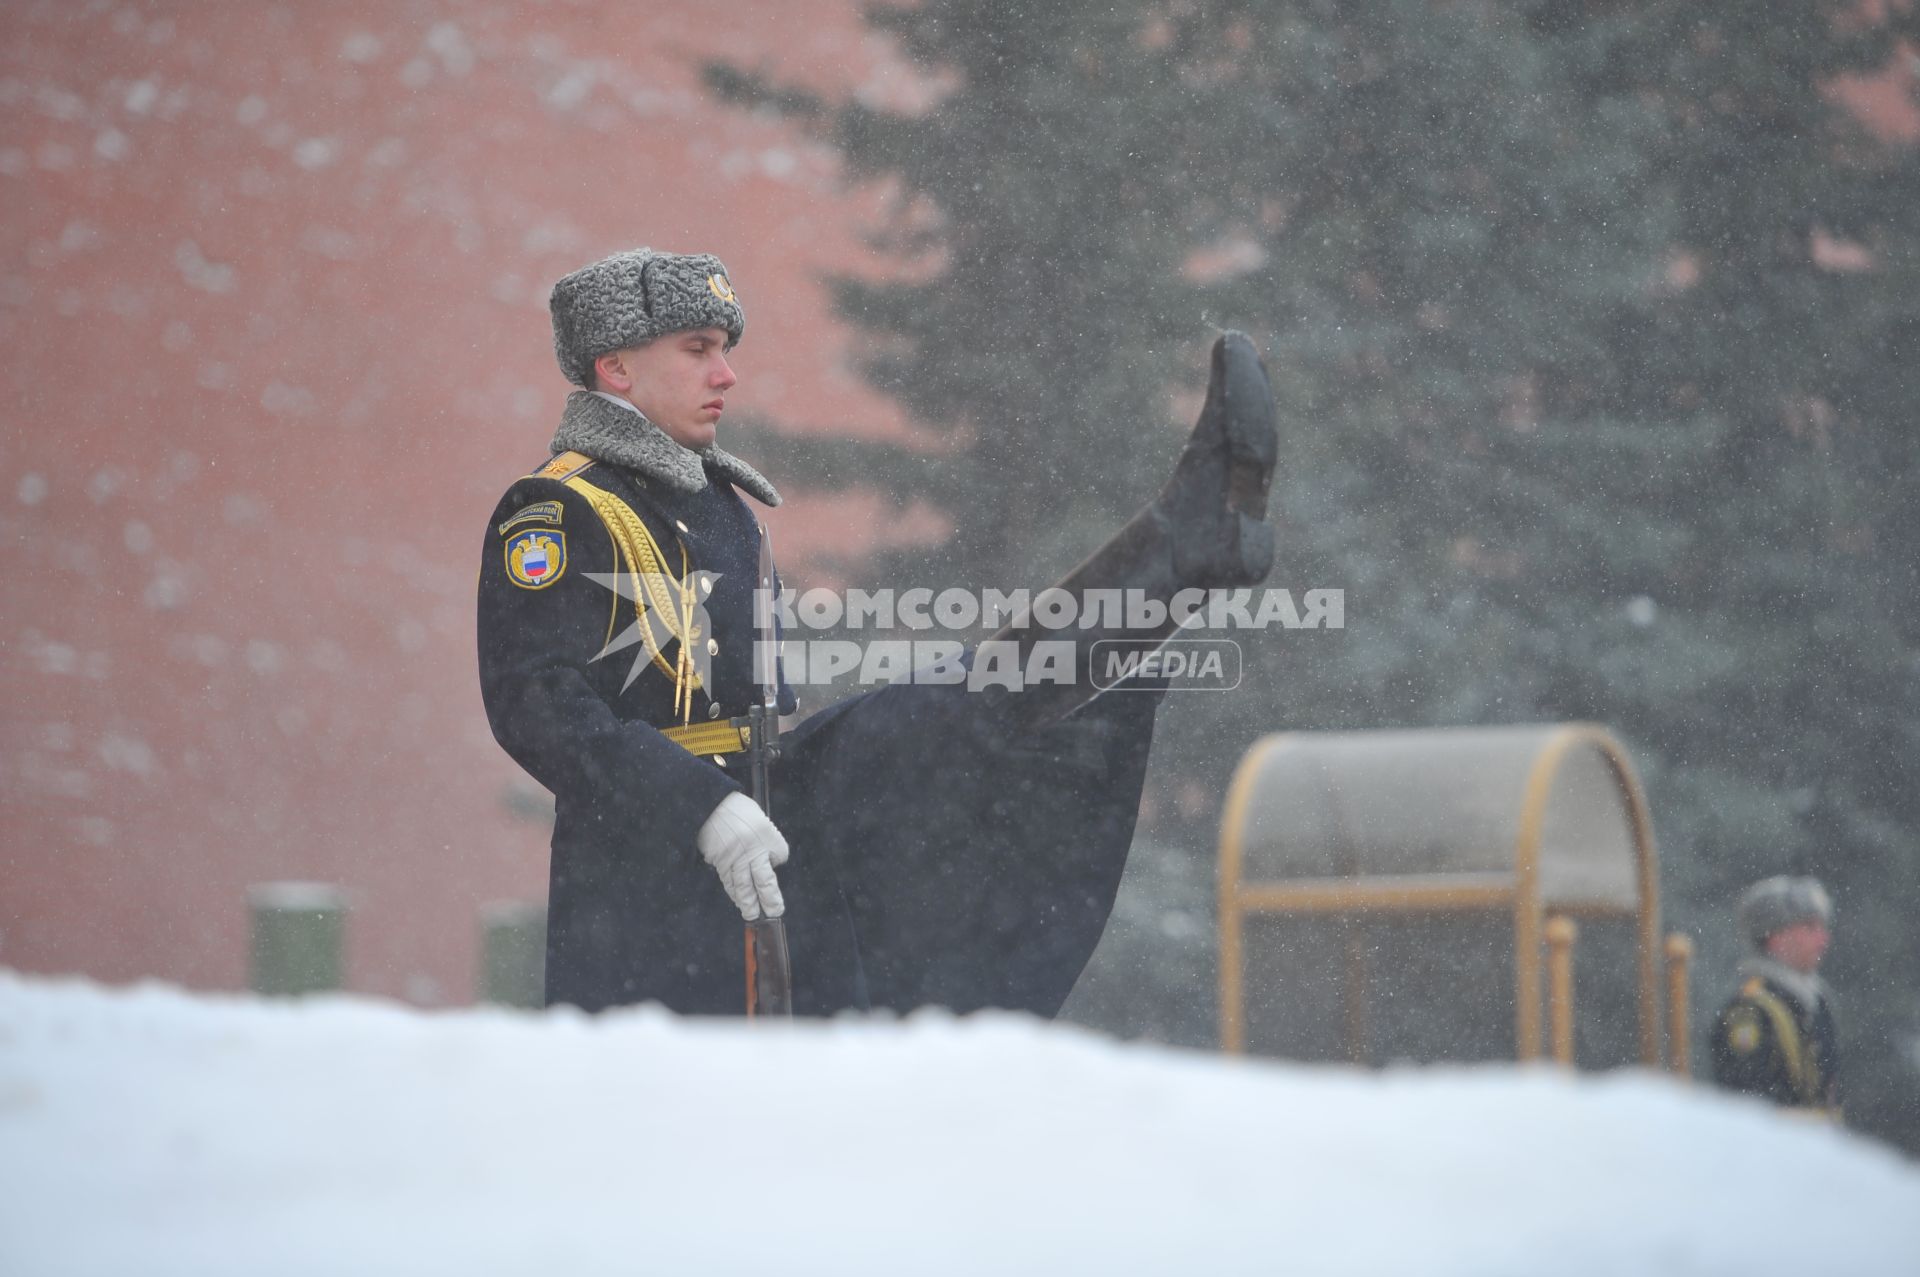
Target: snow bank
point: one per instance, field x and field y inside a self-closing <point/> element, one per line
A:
<point x="155" y="1132"/>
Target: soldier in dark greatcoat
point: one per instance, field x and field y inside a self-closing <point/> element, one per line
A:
<point x="1777" y="1037"/>
<point x="933" y="844"/>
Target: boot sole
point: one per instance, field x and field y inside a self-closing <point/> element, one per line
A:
<point x="1249" y="422"/>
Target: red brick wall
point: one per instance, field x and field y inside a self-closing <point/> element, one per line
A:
<point x="272" y="310"/>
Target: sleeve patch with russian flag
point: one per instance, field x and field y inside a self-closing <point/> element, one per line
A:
<point x="536" y="557"/>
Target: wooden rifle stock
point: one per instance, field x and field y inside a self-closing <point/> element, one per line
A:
<point x="769" y="977"/>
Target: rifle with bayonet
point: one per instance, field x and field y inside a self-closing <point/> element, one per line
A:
<point x="769" y="974"/>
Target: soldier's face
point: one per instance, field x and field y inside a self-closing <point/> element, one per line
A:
<point x="680" y="381"/>
<point x="1800" y="946"/>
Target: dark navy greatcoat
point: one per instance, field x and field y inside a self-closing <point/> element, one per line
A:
<point x="1766" y="1042"/>
<point x="937" y="857"/>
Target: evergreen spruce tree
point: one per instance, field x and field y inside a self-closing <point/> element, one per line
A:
<point x="1047" y="192"/>
<point x="1776" y="689"/>
<point x="1583" y="398"/>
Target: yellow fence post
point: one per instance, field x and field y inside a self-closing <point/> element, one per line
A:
<point x="1679" y="1010"/>
<point x="1561" y="933"/>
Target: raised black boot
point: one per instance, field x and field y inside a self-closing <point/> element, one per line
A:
<point x="1206" y="530"/>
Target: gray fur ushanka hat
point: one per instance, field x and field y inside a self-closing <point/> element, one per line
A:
<point x="633" y="297"/>
<point x="1773" y="904"/>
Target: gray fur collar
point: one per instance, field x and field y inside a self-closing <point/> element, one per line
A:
<point x="1806" y="988"/>
<point x="607" y="432"/>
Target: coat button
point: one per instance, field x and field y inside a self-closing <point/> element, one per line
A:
<point x="713" y="647"/>
<point x="713" y="710"/>
<point x="706" y="584"/>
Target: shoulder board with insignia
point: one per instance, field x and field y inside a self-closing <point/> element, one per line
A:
<point x="563" y="466"/>
<point x="538" y="512"/>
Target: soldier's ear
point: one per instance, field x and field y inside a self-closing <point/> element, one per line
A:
<point x="612" y="372"/>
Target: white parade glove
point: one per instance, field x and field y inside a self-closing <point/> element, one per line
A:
<point x="743" y="846"/>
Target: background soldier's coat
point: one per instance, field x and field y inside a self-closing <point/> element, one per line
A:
<point x="1767" y="1042"/>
